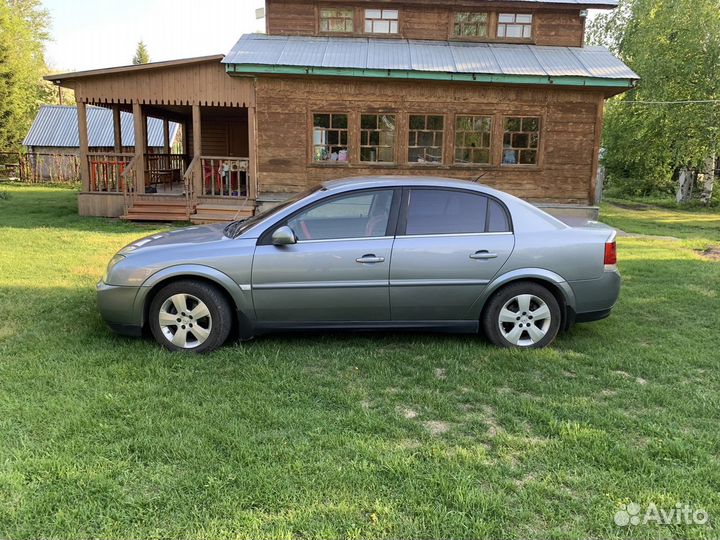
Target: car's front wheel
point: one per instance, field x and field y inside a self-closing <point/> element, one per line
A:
<point x="525" y="315"/>
<point x="190" y="316"/>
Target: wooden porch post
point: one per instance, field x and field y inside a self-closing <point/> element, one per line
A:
<point x="117" y="129"/>
<point x="253" y="185"/>
<point x="166" y="136"/>
<point x="197" y="147"/>
<point x="84" y="145"/>
<point x="140" y="132"/>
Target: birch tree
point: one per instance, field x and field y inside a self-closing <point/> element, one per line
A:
<point x="674" y="45"/>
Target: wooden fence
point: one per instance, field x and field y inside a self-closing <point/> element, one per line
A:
<point x="38" y="167"/>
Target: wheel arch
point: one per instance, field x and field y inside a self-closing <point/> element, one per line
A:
<point x="559" y="288"/>
<point x="239" y="299"/>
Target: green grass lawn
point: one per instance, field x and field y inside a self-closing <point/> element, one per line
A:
<point x="347" y="435"/>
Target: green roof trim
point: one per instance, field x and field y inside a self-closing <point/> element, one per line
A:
<point x="262" y="69"/>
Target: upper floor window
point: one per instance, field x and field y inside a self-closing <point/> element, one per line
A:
<point x="340" y="20"/>
<point x="330" y="138"/>
<point x="521" y="140"/>
<point x="514" y="25"/>
<point x="425" y="144"/>
<point x="471" y="25"/>
<point x="377" y="138"/>
<point x="382" y="21"/>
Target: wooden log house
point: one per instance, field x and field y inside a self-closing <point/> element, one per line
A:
<point x="499" y="91"/>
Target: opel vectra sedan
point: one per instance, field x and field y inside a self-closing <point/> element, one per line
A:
<point x="368" y="254"/>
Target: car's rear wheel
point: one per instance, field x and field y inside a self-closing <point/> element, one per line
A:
<point x="522" y="315"/>
<point x="190" y="316"/>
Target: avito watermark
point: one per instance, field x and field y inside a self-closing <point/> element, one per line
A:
<point x="632" y="514"/>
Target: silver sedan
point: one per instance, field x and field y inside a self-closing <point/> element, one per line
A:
<point x="368" y="254"/>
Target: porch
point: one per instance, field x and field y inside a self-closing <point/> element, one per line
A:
<point x="207" y="173"/>
<point x="204" y="175"/>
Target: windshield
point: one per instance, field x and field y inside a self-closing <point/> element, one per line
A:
<point x="236" y="228"/>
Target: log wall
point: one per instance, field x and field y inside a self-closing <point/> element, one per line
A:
<point x="554" y="27"/>
<point x="569" y="139"/>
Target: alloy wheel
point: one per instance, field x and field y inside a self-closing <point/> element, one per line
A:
<point x="525" y="320"/>
<point x="185" y="321"/>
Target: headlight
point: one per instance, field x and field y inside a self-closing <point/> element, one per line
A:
<point x="116" y="259"/>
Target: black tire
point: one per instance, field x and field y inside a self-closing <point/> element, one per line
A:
<point x="215" y="327"/>
<point x="530" y="328"/>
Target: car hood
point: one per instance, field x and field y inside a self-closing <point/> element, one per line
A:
<point x="188" y="236"/>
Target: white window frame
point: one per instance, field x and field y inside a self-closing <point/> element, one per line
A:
<point x="381" y="21"/>
<point x="515" y="22"/>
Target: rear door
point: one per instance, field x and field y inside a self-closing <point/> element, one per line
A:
<point x="450" y="244"/>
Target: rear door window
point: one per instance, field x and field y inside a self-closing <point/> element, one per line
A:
<point x="498" y="220"/>
<point x="436" y="211"/>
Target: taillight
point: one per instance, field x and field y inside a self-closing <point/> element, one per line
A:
<point x="610" y="254"/>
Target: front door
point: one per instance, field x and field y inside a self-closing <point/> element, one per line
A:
<point x="450" y="245"/>
<point x="337" y="271"/>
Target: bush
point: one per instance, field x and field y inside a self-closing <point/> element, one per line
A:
<point x="619" y="186"/>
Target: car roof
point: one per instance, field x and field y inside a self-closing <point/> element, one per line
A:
<point x="514" y="203"/>
<point x="399" y="181"/>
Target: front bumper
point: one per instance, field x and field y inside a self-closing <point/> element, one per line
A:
<point x="117" y="307"/>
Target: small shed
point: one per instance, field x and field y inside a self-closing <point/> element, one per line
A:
<point x="53" y="142"/>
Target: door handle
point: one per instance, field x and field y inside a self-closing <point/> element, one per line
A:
<point x="483" y="255"/>
<point x="370" y="259"/>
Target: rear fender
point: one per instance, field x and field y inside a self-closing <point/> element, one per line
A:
<point x="534" y="274"/>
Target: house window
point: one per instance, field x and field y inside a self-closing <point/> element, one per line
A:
<point x="377" y="138"/>
<point x="381" y="21"/>
<point x="472" y="139"/>
<point x="521" y="140"/>
<point x="337" y="20"/>
<point x="515" y="26"/>
<point x="471" y="25"/>
<point x="425" y="143"/>
<point x="330" y="138"/>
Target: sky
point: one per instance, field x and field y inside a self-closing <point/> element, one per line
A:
<point x="91" y="34"/>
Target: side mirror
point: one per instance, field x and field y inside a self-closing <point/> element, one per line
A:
<point x="284" y="236"/>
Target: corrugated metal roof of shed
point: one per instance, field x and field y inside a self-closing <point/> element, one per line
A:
<point x="56" y="126"/>
<point x="427" y="56"/>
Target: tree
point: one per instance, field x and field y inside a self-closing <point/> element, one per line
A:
<point x="23" y="34"/>
<point x="142" y="56"/>
<point x="674" y="45"/>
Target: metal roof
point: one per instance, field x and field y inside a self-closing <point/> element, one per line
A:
<point x="57" y="126"/>
<point x="258" y="53"/>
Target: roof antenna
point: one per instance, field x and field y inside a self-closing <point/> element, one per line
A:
<point x="480" y="177"/>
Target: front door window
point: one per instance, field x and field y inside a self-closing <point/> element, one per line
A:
<point x="363" y="215"/>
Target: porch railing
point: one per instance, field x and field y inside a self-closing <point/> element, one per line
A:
<point x="226" y="177"/>
<point x="107" y="172"/>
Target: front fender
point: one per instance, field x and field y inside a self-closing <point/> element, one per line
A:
<point x="242" y="298"/>
<point x="536" y="274"/>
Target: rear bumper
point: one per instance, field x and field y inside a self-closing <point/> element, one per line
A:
<point x="596" y="298"/>
<point x="117" y="308"/>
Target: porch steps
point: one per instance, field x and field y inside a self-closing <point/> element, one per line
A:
<point x="218" y="213"/>
<point x="168" y="211"/>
